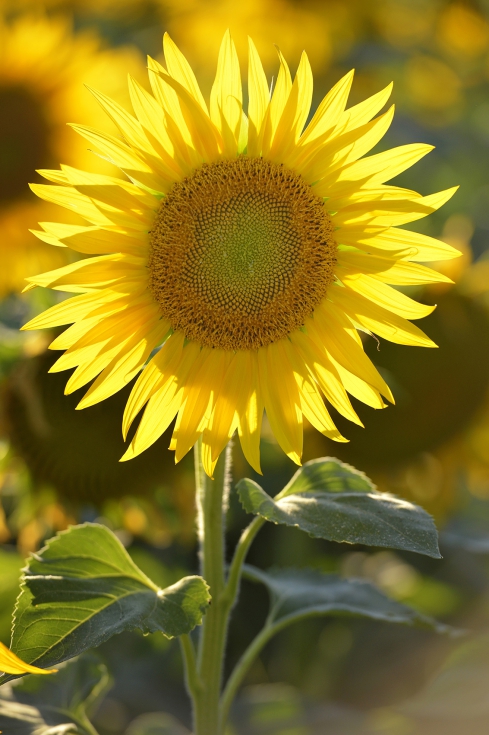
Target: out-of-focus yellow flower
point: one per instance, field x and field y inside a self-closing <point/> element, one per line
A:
<point x="457" y="232"/>
<point x="404" y="23"/>
<point x="42" y="67"/>
<point x="432" y="84"/>
<point x="100" y="7"/>
<point x="12" y="664"/>
<point x="463" y="31"/>
<point x="200" y="27"/>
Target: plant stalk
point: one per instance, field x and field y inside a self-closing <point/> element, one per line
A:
<point x="211" y="505"/>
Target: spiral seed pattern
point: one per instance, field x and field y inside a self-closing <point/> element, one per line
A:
<point x="241" y="253"/>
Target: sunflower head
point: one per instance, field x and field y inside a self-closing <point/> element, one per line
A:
<point x="240" y="257"/>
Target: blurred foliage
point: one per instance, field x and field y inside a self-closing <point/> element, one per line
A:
<point x="59" y="466"/>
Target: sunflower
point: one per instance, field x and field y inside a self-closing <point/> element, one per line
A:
<point x="42" y="64"/>
<point x="248" y="251"/>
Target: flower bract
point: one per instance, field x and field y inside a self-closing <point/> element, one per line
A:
<point x="236" y="264"/>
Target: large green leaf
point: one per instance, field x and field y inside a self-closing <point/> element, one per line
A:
<point x="54" y="705"/>
<point x="83" y="588"/>
<point x="300" y="593"/>
<point x="331" y="500"/>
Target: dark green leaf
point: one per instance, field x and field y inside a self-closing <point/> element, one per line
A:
<point x="331" y="500"/>
<point x="299" y="593"/>
<point x="53" y="705"/>
<point x="83" y="588"/>
<point x="10" y="573"/>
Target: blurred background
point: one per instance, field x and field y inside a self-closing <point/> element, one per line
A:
<point x="57" y="466"/>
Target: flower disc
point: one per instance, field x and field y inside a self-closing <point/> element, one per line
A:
<point x="241" y="253"/>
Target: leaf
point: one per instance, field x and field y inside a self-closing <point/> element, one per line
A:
<point x="10" y="572"/>
<point x="300" y="593"/>
<point x="331" y="500"/>
<point x="54" y="706"/>
<point x="83" y="588"/>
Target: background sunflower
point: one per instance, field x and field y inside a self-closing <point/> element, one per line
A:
<point x="43" y="66"/>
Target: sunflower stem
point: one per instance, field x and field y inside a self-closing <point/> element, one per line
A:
<point x="211" y="504"/>
<point x="234" y="577"/>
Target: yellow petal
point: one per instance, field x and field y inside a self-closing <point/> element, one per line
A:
<point x="346" y="149"/>
<point x="127" y="159"/>
<point x="383" y="213"/>
<point x="277" y="103"/>
<point x="152" y="118"/>
<point x="115" y="150"/>
<point x="67" y="311"/>
<point x="422" y="247"/>
<point x="357" y="387"/>
<point x="388" y="270"/>
<point x="202" y="391"/>
<point x="158" y="415"/>
<point x="312" y="404"/>
<point x="250" y="409"/>
<point x="259" y="98"/>
<point x="281" y="395"/>
<point x="330" y="110"/>
<point x="370" y="316"/>
<point x="360" y="114"/>
<point x="181" y="70"/>
<point x="70" y="198"/>
<point x="223" y="420"/>
<point x="129" y="127"/>
<point x="387" y="297"/>
<point x="56" y="177"/>
<point x="335" y="332"/>
<point x="123" y="368"/>
<point x="226" y="95"/>
<point x="12" y="664"/>
<point x="325" y="375"/>
<point x="295" y="112"/>
<point x="94" y="240"/>
<point x="91" y="273"/>
<point x="205" y="136"/>
<point x="117" y="197"/>
<point x="161" y="370"/>
<point x="177" y="127"/>
<point x="378" y="168"/>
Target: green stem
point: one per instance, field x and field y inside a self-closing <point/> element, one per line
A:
<point x="244" y="543"/>
<point x="211" y="504"/>
<point x="85" y="723"/>
<point x="192" y="679"/>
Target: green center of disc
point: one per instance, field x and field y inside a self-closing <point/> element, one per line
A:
<point x="245" y="251"/>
